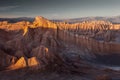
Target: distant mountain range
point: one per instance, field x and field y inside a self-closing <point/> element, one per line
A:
<point x="114" y="20"/>
<point x="14" y="20"/>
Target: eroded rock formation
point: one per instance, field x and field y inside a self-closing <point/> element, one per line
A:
<point x="42" y="44"/>
<point x="30" y="45"/>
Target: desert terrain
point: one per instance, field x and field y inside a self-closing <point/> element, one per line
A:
<point x="50" y="50"/>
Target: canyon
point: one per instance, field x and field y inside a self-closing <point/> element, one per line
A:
<point x="49" y="50"/>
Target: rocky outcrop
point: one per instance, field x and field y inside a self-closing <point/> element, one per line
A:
<point x="24" y="62"/>
<point x="42" y="22"/>
<point x="21" y="63"/>
<point x="99" y="30"/>
<point x="13" y="26"/>
<point x="33" y="62"/>
<point x="87" y="26"/>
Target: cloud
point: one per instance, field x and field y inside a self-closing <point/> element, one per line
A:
<point x="4" y="8"/>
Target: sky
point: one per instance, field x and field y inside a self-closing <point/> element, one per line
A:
<point x="59" y="9"/>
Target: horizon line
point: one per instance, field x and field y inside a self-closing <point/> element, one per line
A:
<point x="59" y="18"/>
